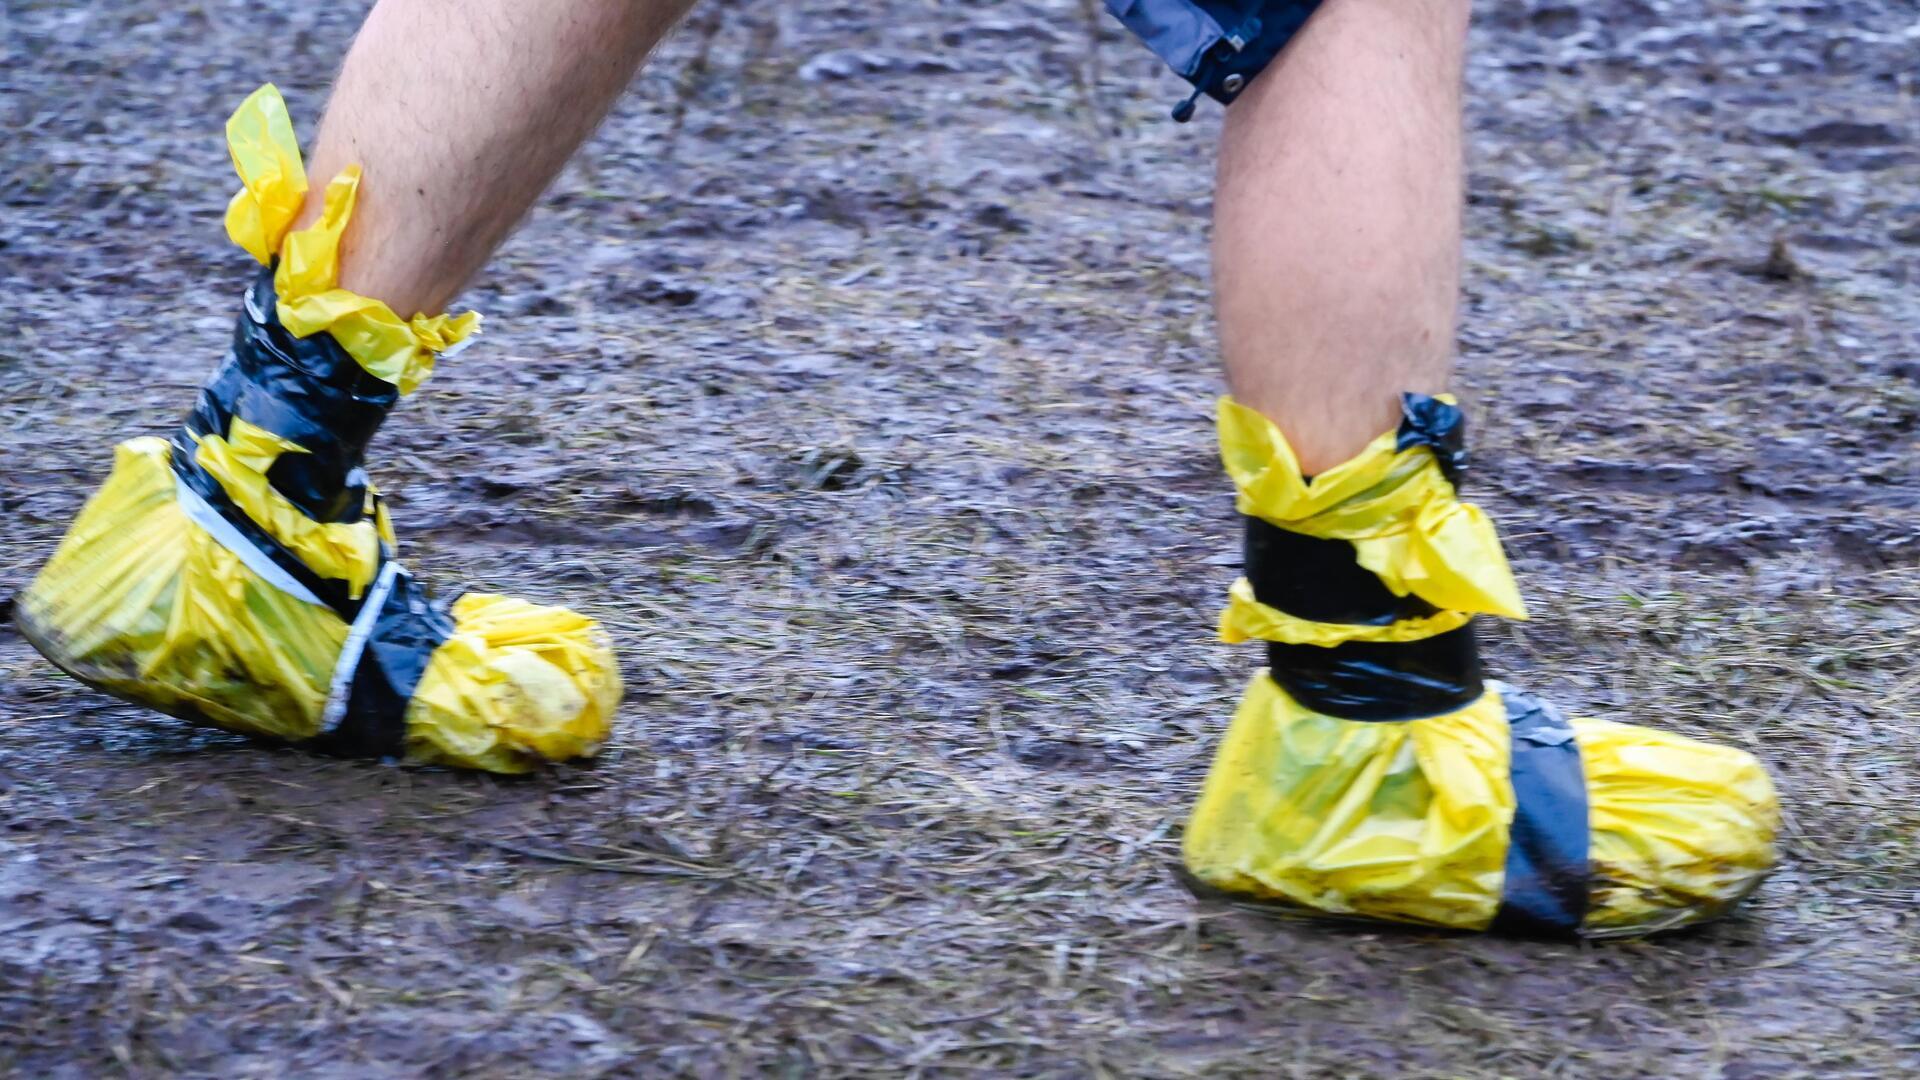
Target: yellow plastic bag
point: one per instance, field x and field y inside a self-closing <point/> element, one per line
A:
<point x="1408" y="821"/>
<point x="517" y="682"/>
<point x="344" y="552"/>
<point x="217" y="614"/>
<point x="1412" y="820"/>
<point x="266" y="154"/>
<point x="141" y="601"/>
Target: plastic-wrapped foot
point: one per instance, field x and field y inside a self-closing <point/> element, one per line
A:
<point x="1440" y="821"/>
<point x="1372" y="772"/>
<point x="145" y="603"/>
<point x="192" y="584"/>
<point x="243" y="574"/>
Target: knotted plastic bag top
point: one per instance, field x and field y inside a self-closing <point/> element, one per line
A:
<point x="260" y="219"/>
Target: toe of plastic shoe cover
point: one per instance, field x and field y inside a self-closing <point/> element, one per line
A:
<point x="141" y="601"/>
<point x="1410" y="821"/>
<point x="516" y="684"/>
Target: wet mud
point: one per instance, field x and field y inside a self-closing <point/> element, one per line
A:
<point x="859" y="377"/>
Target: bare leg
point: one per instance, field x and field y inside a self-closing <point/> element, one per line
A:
<point x="461" y="112"/>
<point x="1337" y="263"/>
<point x="287" y="616"/>
<point x="1337" y="223"/>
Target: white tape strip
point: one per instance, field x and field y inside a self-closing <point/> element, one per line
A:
<point x="201" y="513"/>
<point x="355" y="645"/>
<point x="253" y="306"/>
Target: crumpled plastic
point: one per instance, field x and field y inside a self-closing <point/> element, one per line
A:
<point x="141" y="602"/>
<point x="273" y="179"/>
<point x="274" y="187"/>
<point x="1409" y="820"/>
<point x="1401" y="514"/>
<point x="343" y="551"/>
<point x="517" y="683"/>
<point x="144" y="602"/>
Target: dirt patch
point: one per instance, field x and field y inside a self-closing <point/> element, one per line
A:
<point x="859" y="378"/>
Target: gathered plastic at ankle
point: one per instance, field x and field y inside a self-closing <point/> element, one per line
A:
<point x="1392" y="502"/>
<point x="307" y="273"/>
<point x="1333" y="791"/>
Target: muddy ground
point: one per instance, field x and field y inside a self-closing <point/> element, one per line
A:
<point x="859" y="377"/>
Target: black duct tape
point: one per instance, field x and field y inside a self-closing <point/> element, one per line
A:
<point x="306" y="390"/>
<point x="1547" y="885"/>
<point x="404" y="634"/>
<point x="1322" y="580"/>
<point x="1381" y="680"/>
<point x="309" y="391"/>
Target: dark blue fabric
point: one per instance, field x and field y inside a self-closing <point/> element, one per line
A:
<point x="1547" y="873"/>
<point x="1178" y="31"/>
<point x="1438" y="426"/>
<point x="1219" y="46"/>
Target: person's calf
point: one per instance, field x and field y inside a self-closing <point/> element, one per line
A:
<point x="1336" y="235"/>
<point x="460" y="113"/>
<point x="1370" y="769"/>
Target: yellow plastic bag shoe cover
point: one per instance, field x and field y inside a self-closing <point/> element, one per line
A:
<point x="193" y="584"/>
<point x="1412" y="821"/>
<point x="144" y="601"/>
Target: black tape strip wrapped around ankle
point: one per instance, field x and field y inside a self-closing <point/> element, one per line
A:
<point x="307" y="390"/>
<point x="404" y="635"/>
<point x="1311" y="578"/>
<point x="1376" y="680"/>
<point x="1322" y="580"/>
<point x="1547" y="885"/>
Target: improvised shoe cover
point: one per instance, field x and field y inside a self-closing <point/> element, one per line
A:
<point x="243" y="575"/>
<point x="1370" y="771"/>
